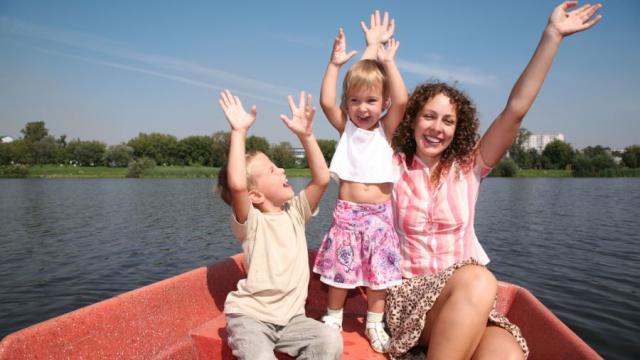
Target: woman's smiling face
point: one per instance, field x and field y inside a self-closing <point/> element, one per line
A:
<point x="434" y="128"/>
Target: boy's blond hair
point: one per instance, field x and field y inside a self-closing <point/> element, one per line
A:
<point x="223" y="181"/>
<point x="366" y="74"/>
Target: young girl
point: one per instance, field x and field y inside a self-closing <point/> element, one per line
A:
<point x="361" y="247"/>
<point x="447" y="294"/>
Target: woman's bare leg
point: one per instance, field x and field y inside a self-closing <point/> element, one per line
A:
<point x="498" y="343"/>
<point x="458" y="319"/>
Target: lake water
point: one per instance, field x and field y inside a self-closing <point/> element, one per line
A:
<point x="64" y="244"/>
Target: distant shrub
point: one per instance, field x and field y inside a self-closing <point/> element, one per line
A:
<point x="139" y="166"/>
<point x="505" y="168"/>
<point x="14" y="171"/>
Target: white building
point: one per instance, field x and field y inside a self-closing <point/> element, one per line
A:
<point x="298" y="153"/>
<point x="539" y="141"/>
<point x="7" y="139"/>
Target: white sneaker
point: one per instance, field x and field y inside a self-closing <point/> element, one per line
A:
<point x="333" y="322"/>
<point x="378" y="338"/>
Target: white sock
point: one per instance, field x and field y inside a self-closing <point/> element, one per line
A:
<point x="335" y="313"/>
<point x="374" y="317"/>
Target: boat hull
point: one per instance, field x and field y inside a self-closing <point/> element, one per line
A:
<point x="182" y="318"/>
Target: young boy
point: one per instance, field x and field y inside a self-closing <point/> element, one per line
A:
<point x="266" y="312"/>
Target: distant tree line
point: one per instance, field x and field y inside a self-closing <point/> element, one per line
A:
<point x="38" y="147"/>
<point x="590" y="161"/>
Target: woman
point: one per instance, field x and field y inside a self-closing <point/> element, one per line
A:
<point x="446" y="300"/>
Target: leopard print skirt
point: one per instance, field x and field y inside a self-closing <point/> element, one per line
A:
<point x="406" y="307"/>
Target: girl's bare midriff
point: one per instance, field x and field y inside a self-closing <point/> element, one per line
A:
<point x="364" y="193"/>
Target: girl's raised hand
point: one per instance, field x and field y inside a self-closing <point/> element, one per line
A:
<point x="339" y="53"/>
<point x="565" y="23"/>
<point x="301" y="116"/>
<point x="378" y="32"/>
<point x="388" y="53"/>
<point x="237" y="117"/>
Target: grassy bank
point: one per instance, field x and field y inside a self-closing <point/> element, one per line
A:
<point x="158" y="172"/>
<point x="543" y="173"/>
<point x="180" y="172"/>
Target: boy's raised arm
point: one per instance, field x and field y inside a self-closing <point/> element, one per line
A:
<point x="397" y="90"/>
<point x="240" y="122"/>
<point x="503" y="130"/>
<point x="301" y="124"/>
<point x="328" y="91"/>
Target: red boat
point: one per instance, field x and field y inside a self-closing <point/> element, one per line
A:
<point x="182" y="318"/>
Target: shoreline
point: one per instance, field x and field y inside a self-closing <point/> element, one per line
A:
<point x="192" y="172"/>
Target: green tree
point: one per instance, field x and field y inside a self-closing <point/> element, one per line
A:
<point x="559" y="153"/>
<point x="86" y="153"/>
<point x="196" y="150"/>
<point x="328" y="148"/>
<point x="34" y="131"/>
<point x="162" y="148"/>
<point x="118" y="155"/>
<point x="45" y="150"/>
<point x="505" y="168"/>
<point x="16" y="152"/>
<point x="257" y="143"/>
<point x="139" y="167"/>
<point x="517" y="152"/>
<point x="282" y="155"/>
<point x="631" y="156"/>
<point x="593" y="151"/>
<point x="220" y="147"/>
<point x="597" y="165"/>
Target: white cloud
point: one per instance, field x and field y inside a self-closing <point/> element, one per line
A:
<point x="160" y="64"/>
<point x="463" y="75"/>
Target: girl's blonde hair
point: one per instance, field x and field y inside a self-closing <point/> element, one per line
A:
<point x="366" y="74"/>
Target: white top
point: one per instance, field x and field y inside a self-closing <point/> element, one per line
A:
<point x="363" y="156"/>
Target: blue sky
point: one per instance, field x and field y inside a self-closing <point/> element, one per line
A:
<point x="107" y="70"/>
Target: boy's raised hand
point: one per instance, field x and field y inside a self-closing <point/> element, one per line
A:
<point x="378" y="32"/>
<point x="388" y="53"/>
<point x="339" y="53"/>
<point x="565" y="23"/>
<point x="237" y="117"/>
<point x="301" y="116"/>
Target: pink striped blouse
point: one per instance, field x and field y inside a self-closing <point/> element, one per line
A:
<point x="435" y="226"/>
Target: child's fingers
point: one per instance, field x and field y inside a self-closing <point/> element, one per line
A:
<point x="311" y="113"/>
<point x="292" y="105"/>
<point x="592" y="22"/>
<point x="385" y="19"/>
<point x="285" y="120"/>
<point x="224" y="98"/>
<point x="301" y="104"/>
<point x="254" y="111"/>
<point x="364" y="26"/>
<point x="589" y="13"/>
<point x="378" y="17"/>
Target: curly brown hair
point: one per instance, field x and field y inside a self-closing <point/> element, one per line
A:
<point x="463" y="146"/>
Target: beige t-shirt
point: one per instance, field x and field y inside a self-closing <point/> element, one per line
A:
<point x="275" y="254"/>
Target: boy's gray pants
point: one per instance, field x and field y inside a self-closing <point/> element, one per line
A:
<point x="302" y="337"/>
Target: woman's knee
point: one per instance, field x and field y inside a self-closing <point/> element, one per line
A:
<point x="476" y="284"/>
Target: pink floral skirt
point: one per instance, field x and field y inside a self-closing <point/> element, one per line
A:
<point x="361" y="248"/>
